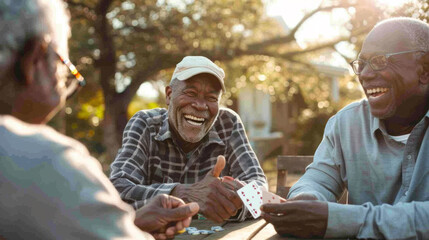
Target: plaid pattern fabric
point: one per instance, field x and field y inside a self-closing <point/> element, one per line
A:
<point x="150" y="163"/>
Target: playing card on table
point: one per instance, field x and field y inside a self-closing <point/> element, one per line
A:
<point x="269" y="197"/>
<point x="251" y="196"/>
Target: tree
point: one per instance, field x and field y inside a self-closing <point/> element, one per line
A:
<point x="121" y="44"/>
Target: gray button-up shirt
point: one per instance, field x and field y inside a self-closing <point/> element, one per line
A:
<point x="388" y="181"/>
<point x="51" y="188"/>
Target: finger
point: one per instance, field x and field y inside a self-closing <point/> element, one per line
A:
<point x="186" y="222"/>
<point x="179" y="225"/>
<point x="229" y="185"/>
<point x="213" y="214"/>
<point x="220" y="164"/>
<point x="174" y="202"/>
<point x="227" y="179"/>
<point x="274" y="207"/>
<point x="159" y="236"/>
<point x="231" y="196"/>
<point x="221" y="205"/>
<point x="182" y="212"/>
<point x="226" y="204"/>
<point x="171" y="231"/>
<point x="267" y="217"/>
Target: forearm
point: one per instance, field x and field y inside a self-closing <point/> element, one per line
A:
<point x="317" y="183"/>
<point x="138" y="194"/>
<point x="400" y="221"/>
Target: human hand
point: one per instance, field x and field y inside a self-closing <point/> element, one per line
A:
<point x="216" y="201"/>
<point x="297" y="218"/>
<point x="231" y="183"/>
<point x="165" y="215"/>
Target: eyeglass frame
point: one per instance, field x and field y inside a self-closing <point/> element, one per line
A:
<point x="77" y="76"/>
<point x="387" y="56"/>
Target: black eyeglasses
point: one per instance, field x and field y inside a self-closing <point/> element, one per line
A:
<point x="377" y="63"/>
<point x="73" y="84"/>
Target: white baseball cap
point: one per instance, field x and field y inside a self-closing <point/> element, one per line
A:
<point x="193" y="65"/>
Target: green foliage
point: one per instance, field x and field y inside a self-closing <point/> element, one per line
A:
<point x="139" y="103"/>
<point x="135" y="41"/>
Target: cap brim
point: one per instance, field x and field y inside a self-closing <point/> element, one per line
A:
<point x="188" y="73"/>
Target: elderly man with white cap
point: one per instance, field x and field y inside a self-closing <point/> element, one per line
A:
<point x="183" y="150"/>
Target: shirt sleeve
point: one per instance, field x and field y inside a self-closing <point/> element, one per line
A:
<point x="66" y="197"/>
<point x="400" y="221"/>
<point x="324" y="177"/>
<point x="130" y="170"/>
<point x="244" y="163"/>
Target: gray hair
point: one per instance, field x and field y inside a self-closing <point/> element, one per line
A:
<point x="416" y="30"/>
<point x="24" y="20"/>
<point x="174" y="82"/>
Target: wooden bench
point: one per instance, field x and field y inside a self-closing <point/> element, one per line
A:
<point x="294" y="164"/>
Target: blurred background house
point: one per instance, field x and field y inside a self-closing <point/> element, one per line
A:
<point x="270" y="124"/>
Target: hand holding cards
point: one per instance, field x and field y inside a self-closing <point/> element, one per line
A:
<point x="254" y="196"/>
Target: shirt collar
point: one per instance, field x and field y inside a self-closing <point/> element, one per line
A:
<point x="164" y="130"/>
<point x="377" y="124"/>
<point x="165" y="133"/>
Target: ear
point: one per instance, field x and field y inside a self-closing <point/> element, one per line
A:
<point x="424" y="61"/>
<point x="168" y="92"/>
<point x="32" y="53"/>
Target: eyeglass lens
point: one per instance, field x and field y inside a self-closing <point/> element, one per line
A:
<point x="377" y="63"/>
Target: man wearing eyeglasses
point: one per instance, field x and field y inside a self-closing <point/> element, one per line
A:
<point x="50" y="187"/>
<point x="377" y="149"/>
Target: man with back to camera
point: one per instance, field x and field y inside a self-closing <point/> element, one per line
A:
<point x="51" y="188"/>
<point x="377" y="148"/>
<point x="176" y="150"/>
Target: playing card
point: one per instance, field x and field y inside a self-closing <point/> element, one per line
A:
<point x="269" y="197"/>
<point x="251" y="196"/>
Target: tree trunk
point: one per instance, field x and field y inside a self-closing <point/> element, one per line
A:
<point x="115" y="120"/>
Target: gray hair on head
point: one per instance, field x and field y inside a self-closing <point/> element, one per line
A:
<point x="417" y="30"/>
<point x="174" y="82"/>
<point x="24" y="20"/>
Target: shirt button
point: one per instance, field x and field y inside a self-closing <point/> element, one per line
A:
<point x="409" y="157"/>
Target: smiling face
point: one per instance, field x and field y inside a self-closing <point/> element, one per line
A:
<point x="193" y="106"/>
<point x="390" y="90"/>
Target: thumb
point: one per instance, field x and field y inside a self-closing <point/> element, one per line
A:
<point x="182" y="212"/>
<point x="220" y="164"/>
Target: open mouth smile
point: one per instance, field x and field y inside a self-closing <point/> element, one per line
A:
<point x="193" y="120"/>
<point x="376" y="92"/>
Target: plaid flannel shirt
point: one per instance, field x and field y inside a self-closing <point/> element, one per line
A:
<point x="151" y="163"/>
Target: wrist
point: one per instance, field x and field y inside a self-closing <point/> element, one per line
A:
<point x="180" y="191"/>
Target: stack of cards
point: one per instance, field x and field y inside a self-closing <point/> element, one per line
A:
<point x="253" y="197"/>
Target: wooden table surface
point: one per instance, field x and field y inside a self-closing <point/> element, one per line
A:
<point x="250" y="229"/>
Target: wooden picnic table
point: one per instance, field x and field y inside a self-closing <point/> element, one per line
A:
<point x="233" y="230"/>
<point x="248" y="230"/>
